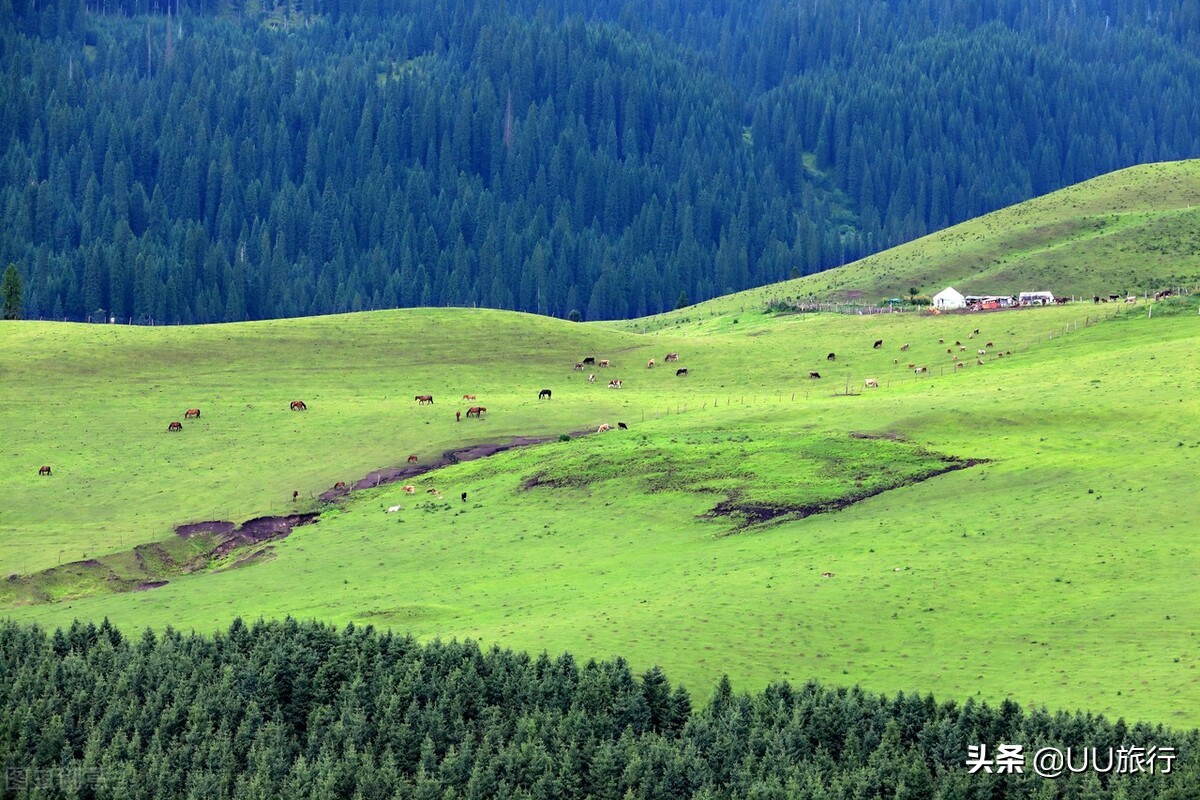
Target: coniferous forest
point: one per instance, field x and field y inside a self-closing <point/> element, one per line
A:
<point x="210" y="160"/>
<point x="303" y="710"/>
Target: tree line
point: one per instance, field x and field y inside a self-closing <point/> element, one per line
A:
<point x="307" y="710"/>
<point x="198" y="161"/>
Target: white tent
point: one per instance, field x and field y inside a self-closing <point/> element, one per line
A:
<point x="948" y="299"/>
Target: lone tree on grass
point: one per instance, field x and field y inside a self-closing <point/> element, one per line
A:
<point x="10" y="291"/>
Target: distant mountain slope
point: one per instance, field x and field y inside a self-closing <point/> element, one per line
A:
<point x="235" y="160"/>
<point x="1132" y="231"/>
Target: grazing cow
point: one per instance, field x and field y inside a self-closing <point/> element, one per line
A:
<point x="44" y="471"/>
<point x="410" y="489"/>
<point x="464" y="497"/>
<point x="339" y="485"/>
<point x="432" y="491"/>
<point x="603" y="428"/>
<point x="911" y="366"/>
<point x="1096" y="298"/>
<point x="948" y="351"/>
<point x="957" y="343"/>
<point x="298" y="405"/>
<point x="919" y="370"/>
<point x="468" y="397"/>
<point x="592" y="378"/>
<point x="423" y="399"/>
<point x="959" y="365"/>
<point x="476" y="411"/>
<point x="982" y="352"/>
<point x="175" y="426"/>
<point x="826" y="574"/>
<point x="589" y="360"/>
<point x="681" y="371"/>
<point x="814" y="375"/>
<point x="831" y="357"/>
<point x="962" y="348"/>
<point x="1114" y="297"/>
<point x="999" y="355"/>
<point x="192" y="413"/>
<point x="904" y="346"/>
<point x="412" y="459"/>
<point x="672" y="357"/>
<point x="458" y="416"/>
<point x="295" y="496"/>
<point x="614" y="384"/>
<point x="941" y="341"/>
<point x="989" y="344"/>
<point x="603" y="362"/>
<point x="393" y="509"/>
<point x="976" y="331"/>
<point x="979" y="361"/>
<point x="544" y="394"/>
<point x="895" y="361"/>
<point x="1131" y="299"/>
<point x="955" y="358"/>
<point x="650" y="364"/>
<point x="878" y="344"/>
<point x="871" y="383"/>
<point x="622" y="426"/>
<point x="579" y="366"/>
<point x="970" y="336"/>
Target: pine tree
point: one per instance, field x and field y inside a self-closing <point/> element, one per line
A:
<point x="11" y="292"/>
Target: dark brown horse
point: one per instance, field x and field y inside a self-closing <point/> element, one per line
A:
<point x="298" y="405"/>
<point x="192" y="412"/>
<point x="175" y="426"/>
<point x="44" y="471"/>
<point x="424" y="399"/>
<point x="475" y="411"/>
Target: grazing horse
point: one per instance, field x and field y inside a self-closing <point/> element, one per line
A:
<point x="192" y="412"/>
<point x="468" y="397"/>
<point x="878" y="344"/>
<point x="650" y="364"/>
<point x="44" y="471"/>
<point x="672" y="357"/>
<point x="603" y="428"/>
<point x="589" y="360"/>
<point x="412" y="459"/>
<point x="831" y="357"/>
<point x="544" y="394"/>
<point x="989" y="344"/>
<point x="622" y="426"/>
<point x="423" y="399"/>
<point x="579" y="366"/>
<point x="298" y="405"/>
<point x="871" y="383"/>
<point x="814" y="375"/>
<point x="175" y="426"/>
<point x="475" y="411"/>
<point x="603" y="362"/>
<point x="681" y="371"/>
<point x="592" y="378"/>
<point x="904" y="346"/>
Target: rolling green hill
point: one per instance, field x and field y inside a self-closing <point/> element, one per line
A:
<point x="1136" y="230"/>
<point x="1054" y="566"/>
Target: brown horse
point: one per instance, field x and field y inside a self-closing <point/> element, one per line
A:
<point x="175" y="426"/>
<point x="672" y="357"/>
<point x="412" y="459"/>
<point x="192" y="412"/>
<point x="44" y="471"/>
<point x="298" y="405"/>
<point x="423" y="399"/>
<point x="475" y="411"/>
<point x="339" y="485"/>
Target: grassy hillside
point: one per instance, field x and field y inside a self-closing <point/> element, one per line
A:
<point x="1136" y="230"/>
<point x="1059" y="570"/>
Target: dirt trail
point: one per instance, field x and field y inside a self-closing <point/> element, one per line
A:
<point x="472" y="452"/>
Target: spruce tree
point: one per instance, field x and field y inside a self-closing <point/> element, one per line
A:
<point x="11" y="292"/>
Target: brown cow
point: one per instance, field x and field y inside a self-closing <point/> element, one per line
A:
<point x="959" y="365"/>
<point x="475" y="411"/>
<point x="175" y="426"/>
<point x="423" y="399"/>
<point x="44" y="471"/>
<point x="412" y="459"/>
<point x="603" y="362"/>
<point x="672" y="357"/>
<point x="298" y="405"/>
<point x="989" y="344"/>
<point x="192" y="412"/>
<point x="410" y="489"/>
<point x="468" y="397"/>
<point x="339" y="485"/>
<point x="458" y="416"/>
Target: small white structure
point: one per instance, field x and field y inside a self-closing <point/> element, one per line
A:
<point x="948" y="299"/>
<point x="1035" y="298"/>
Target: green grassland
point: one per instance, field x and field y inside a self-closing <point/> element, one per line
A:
<point x="1020" y="527"/>
<point x="1136" y="230"/>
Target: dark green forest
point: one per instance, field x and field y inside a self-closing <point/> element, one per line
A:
<point x="213" y="160"/>
<point x="304" y="710"/>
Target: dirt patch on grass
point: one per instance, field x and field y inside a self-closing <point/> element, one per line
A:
<point x="382" y="477"/>
<point x="191" y="529"/>
<point x="145" y="585"/>
<point x="748" y="515"/>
